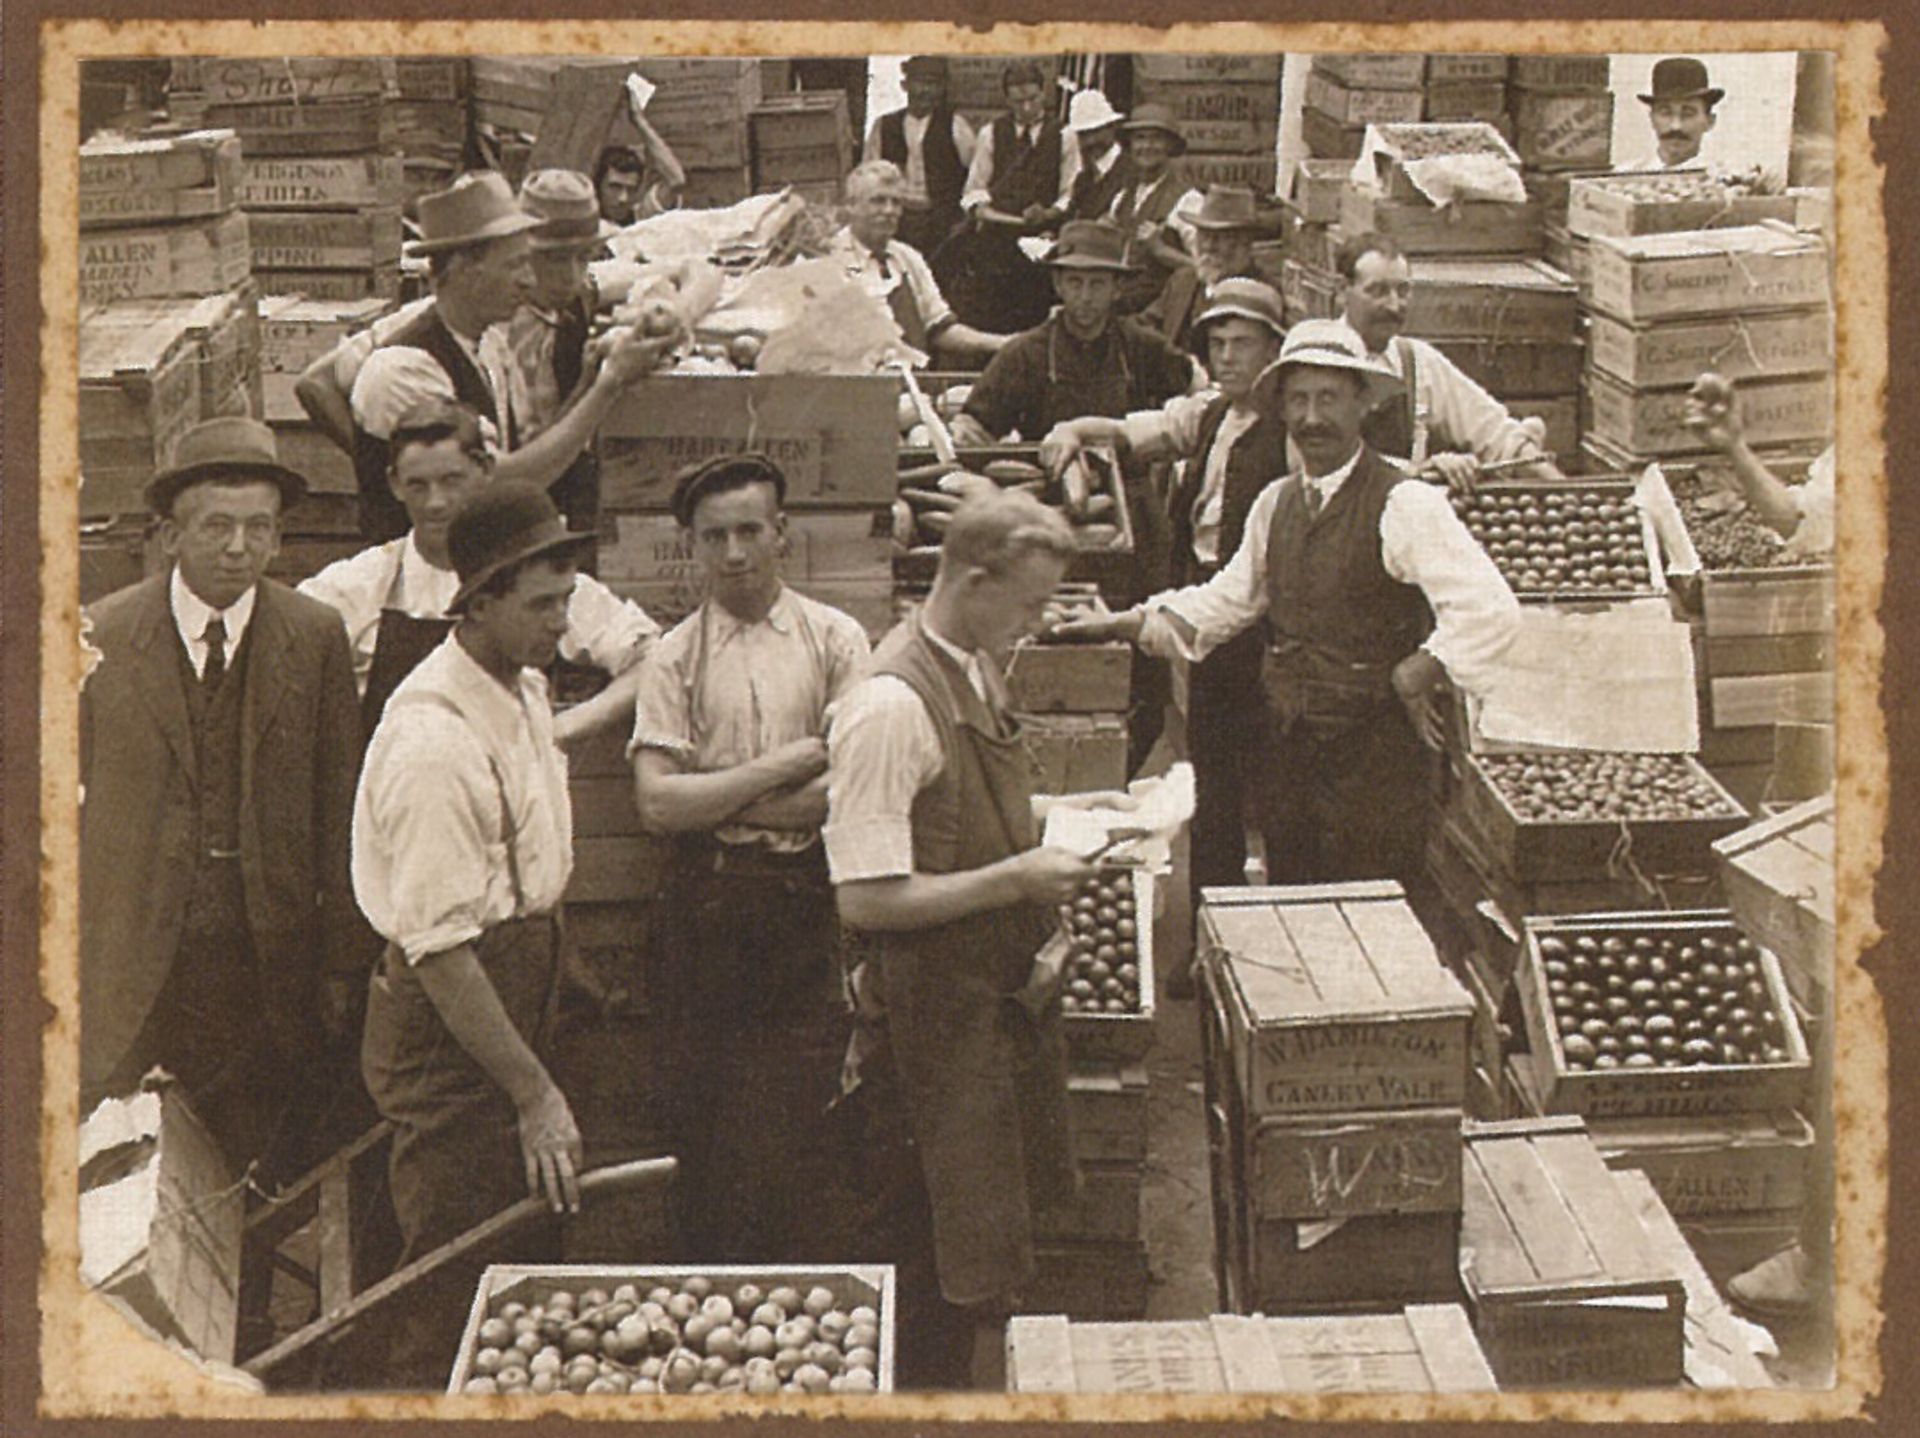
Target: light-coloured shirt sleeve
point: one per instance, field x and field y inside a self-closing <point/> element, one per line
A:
<point x="1225" y="605"/>
<point x="1475" y="615"/>
<point x="1181" y="220"/>
<point x="1463" y="417"/>
<point x="979" y="171"/>
<point x="1815" y="500"/>
<point x="1170" y="432"/>
<point x="870" y="147"/>
<point x="935" y="312"/>
<point x="882" y="750"/>
<point x="357" y="586"/>
<point x="964" y="139"/>
<point x="605" y="630"/>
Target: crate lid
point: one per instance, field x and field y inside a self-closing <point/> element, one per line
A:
<point x="132" y="340"/>
<point x="102" y="147"/>
<point x="1770" y="237"/>
<point x="1506" y="274"/>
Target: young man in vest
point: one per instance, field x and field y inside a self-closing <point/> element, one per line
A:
<point x="479" y="259"/>
<point x="1680" y="109"/>
<point x="729" y="757"/>
<point x="1234" y="447"/>
<point x="1151" y="209"/>
<point x="1224" y="229"/>
<point x="1093" y="125"/>
<point x="958" y="1067"/>
<point x="932" y="144"/>
<point x="1369" y="592"/>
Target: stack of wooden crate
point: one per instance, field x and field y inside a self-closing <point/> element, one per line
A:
<point x="1228" y="106"/>
<point x="1072" y="700"/>
<point x="1335" y="1049"/>
<point x="1346" y="93"/>
<point x="802" y="140"/>
<point x="427" y="119"/>
<point x="1561" y="113"/>
<point x="701" y="110"/>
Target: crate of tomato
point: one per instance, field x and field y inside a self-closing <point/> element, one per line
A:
<point x="1108" y="976"/>
<point x="1584" y="539"/>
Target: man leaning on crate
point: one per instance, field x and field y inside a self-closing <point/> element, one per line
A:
<point x="462" y="846"/>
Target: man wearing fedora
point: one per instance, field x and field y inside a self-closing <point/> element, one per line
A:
<point x="1151" y="207"/>
<point x="462" y="847"/>
<point x="1368" y="591"/>
<point x="218" y="743"/>
<point x="480" y="263"/>
<point x="1224" y="230"/>
<point x="933" y="145"/>
<point x="1093" y="125"/>
<point x="1680" y="109"/>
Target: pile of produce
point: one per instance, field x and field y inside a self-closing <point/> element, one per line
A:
<point x="1085" y="492"/>
<point x="1554" y="788"/>
<point x="1103" y="970"/>
<point x="697" y="1338"/>
<point x="1722" y="528"/>
<point x="1660" y="1000"/>
<point x="1559" y="540"/>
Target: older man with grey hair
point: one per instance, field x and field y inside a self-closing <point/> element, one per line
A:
<point x="895" y="272"/>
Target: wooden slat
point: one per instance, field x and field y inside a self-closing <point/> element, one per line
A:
<point x="1794" y="874"/>
<point x="1403" y="953"/>
<point x="1552" y="1249"/>
<point x="1341" y="968"/>
<point x="1452" y="1354"/>
<point x="1608" y="1228"/>
<point x="1040" y="1355"/>
<point x="1487" y="1232"/>
<point x="336" y="1243"/>
<point x="1271" y="974"/>
<point x="1773" y="699"/>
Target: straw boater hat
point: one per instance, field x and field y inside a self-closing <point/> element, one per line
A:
<point x="480" y="207"/>
<point x="1245" y="299"/>
<point x="1091" y="110"/>
<point x="231" y="448"/>
<point x="1227" y="207"/>
<point x="1681" y="77"/>
<point x="1090" y="245"/>
<point x="1332" y="344"/>
<point x="507" y="522"/>
<point x="566" y="208"/>
<point x="1155" y="116"/>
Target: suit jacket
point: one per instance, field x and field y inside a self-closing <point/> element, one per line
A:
<point x="299" y="765"/>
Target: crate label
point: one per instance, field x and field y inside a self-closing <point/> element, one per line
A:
<point x="1357" y="1066"/>
<point x="1744" y="347"/>
<point x="1388" y="1167"/>
<point x="253" y="82"/>
<point x="345" y="181"/>
<point x="1564" y="129"/>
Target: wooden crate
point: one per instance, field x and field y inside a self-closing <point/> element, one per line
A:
<point x="1563" y="129"/>
<point x="1070" y="678"/>
<point x="1780" y="879"/>
<point x="1464" y="68"/>
<point x="1309" y="293"/>
<point x="1507" y="371"/>
<point x="1106" y="1209"/>
<point x="1122" y="1038"/>
<point x="1561" y="72"/>
<point x="367" y="239"/>
<point x="1729" y="1163"/>
<point x="1771" y="699"/>
<point x="1350" y="1164"/>
<point x="1620" y="206"/>
<point x="1335" y="1000"/>
<point x="1739" y="603"/>
<point x="1707" y="272"/>
<point x="853" y="1286"/>
<point x="323" y="182"/>
<point x="139" y="392"/>
<point x="1426" y="1348"/>
<point x="1247" y="68"/>
<point x="1564" y="1287"/>
<point x="1107" y="1105"/>
<point x="1691" y="1090"/>
<point x="199" y="258"/>
<point x="1352" y="105"/>
<point x="430" y="77"/>
<point x="1472" y="227"/>
<point x="1380" y="70"/>
<point x="1316" y="190"/>
<point x="332" y="286"/>
<point x="1223" y="116"/>
<point x="138" y="182"/>
<point x="801" y="136"/>
<point x="347" y="126"/>
<point x="1379" y="1261"/>
<point x="1740" y="347"/>
<point x="295" y="332"/>
<point x="1257" y="172"/>
<point x="282" y="79"/>
<point x="1497" y="301"/>
<point x="1393" y="143"/>
<point x="1467" y="100"/>
<point x="1088" y="1280"/>
<point x="1653" y="421"/>
<point x="1327" y="139"/>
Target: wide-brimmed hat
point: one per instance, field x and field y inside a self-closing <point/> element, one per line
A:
<point x="1681" y="77"/>
<point x="1245" y="299"/>
<point x="926" y="65"/>
<point x="1090" y="245"/>
<point x="566" y="208"/>
<point x="1091" y="110"/>
<point x="1227" y="207"/>
<point x="478" y="208"/>
<point x="1155" y="116"/>
<point x="1333" y="344"/>
<point x="232" y="447"/>
<point x="504" y="524"/>
<point x="697" y="481"/>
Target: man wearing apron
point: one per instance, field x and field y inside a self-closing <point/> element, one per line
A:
<point x="729" y="755"/>
<point x="958" y="1066"/>
<point x="1437" y="419"/>
<point x="394" y="596"/>
<point x="462" y="846"/>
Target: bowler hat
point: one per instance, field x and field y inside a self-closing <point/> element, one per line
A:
<point x="1091" y="110"/>
<point x="697" y="481"/>
<point x="934" y="65"/>
<point x="478" y="208"/>
<point x="506" y="523"/>
<point x="1090" y="245"/>
<point x="1681" y="77"/>
<point x="1333" y="344"/>
<point x="566" y="208"/>
<point x="1227" y="207"/>
<point x="232" y="447"/>
<point x="1245" y="299"/>
<point x="1155" y="116"/>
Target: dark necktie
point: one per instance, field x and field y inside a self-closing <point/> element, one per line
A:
<point x="215" y="639"/>
<point x="1311" y="493"/>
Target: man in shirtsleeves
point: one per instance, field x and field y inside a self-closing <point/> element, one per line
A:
<point x="932" y="144"/>
<point x="958" y="1060"/>
<point x="1370" y="592"/>
<point x="1151" y="208"/>
<point x="729" y="755"/>
<point x="462" y="847"/>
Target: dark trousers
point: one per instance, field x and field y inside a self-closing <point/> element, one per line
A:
<point x="926" y="230"/>
<point x="1226" y="739"/>
<point x="1347" y="805"/>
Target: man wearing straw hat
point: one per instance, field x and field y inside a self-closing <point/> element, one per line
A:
<point x="1152" y="205"/>
<point x="1094" y="126"/>
<point x="218" y="744"/>
<point x="933" y="145"/>
<point x="1370" y="592"/>
<point x="475" y="239"/>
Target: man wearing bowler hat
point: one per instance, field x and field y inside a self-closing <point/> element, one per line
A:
<point x="1151" y="208"/>
<point x="933" y="144"/>
<point x="1680" y="109"/>
<point x="1224" y="229"/>
<point x="480" y="263"/>
<point x="218" y="742"/>
<point x="462" y="847"/>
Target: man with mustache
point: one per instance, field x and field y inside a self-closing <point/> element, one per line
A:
<point x="1224" y="229"/>
<point x="1680" y="109"/>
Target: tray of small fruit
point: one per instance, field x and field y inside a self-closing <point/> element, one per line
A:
<point x="592" y="1330"/>
<point x="1108" y="979"/>
<point x="1668" y="1014"/>
<point x="1582" y="539"/>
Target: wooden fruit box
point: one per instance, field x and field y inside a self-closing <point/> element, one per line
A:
<point x="1465" y="68"/>
<point x="1650" y="204"/>
<point x="1363" y="1264"/>
<point x="1754" y="700"/>
<point x="1565" y="1289"/>
<point x="1122" y="1038"/>
<point x="1495" y="301"/>
<point x="203" y="257"/>
<point x="1532" y="850"/>
<point x="1740" y="347"/>
<point x="323" y="182"/>
<point x="1317" y="185"/>
<point x="1327" y="139"/>
<point x="1258" y="172"/>
<point x="283" y="79"/>
<point x="1346" y="1165"/>
<point x="1707" y="272"/>
<point x="1070" y="678"/>
<point x="333" y="286"/>
<point x="1354" y="105"/>
<point x="1156" y="67"/>
<point x="1779" y="878"/>
<point x="852" y="1285"/>
<point x="1107" y="1104"/>
<point x="1563" y="129"/>
<point x="1075" y="753"/>
<point x="1426" y="1348"/>
<point x="1379" y="70"/>
<point x="1494" y="497"/>
<point x="1741" y="603"/>
<point x="1691" y="1090"/>
<point x="1335" y="1000"/>
<point x="1511" y="370"/>
<point x="138" y="182"/>
<point x="365" y="239"/>
<point x="1399" y="144"/>
<point x="1728" y="1163"/>
<point x="1652" y="422"/>
<point x="1456" y="100"/>
<point x="1221" y="115"/>
<point x="1472" y="227"/>
<point x="1309" y="293"/>
<point x="1561" y="72"/>
<point x="348" y="126"/>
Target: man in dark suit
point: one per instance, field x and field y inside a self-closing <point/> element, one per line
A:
<point x="218" y="746"/>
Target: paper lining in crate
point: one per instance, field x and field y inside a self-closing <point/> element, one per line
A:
<point x="1688" y="273"/>
<point x="1670" y="1085"/>
<point x="851" y="1286"/>
<point x="138" y="182"/>
<point x="1425" y="1348"/>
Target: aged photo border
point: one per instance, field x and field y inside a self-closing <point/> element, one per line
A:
<point x="76" y="1364"/>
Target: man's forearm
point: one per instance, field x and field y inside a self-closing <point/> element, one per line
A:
<point x="965" y="342"/>
<point x="612" y="705"/>
<point x="324" y="403"/>
<point x="545" y="459"/>
<point x="800" y="808"/>
<point x="925" y="901"/>
<point x="687" y="803"/>
<point x="1771" y="499"/>
<point x="464" y="997"/>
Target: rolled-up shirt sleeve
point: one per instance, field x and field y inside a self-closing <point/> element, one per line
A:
<point x="1475" y="614"/>
<point x="1466" y="417"/>
<point x="882" y="749"/>
<point x="604" y="629"/>
<point x="1193" y="622"/>
<point x="979" y="171"/>
<point x="1172" y="431"/>
<point x="393" y="381"/>
<point x="663" y="708"/>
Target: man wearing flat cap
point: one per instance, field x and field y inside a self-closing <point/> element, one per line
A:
<point x="932" y="143"/>
<point x="462" y="847"/>
<point x="480" y="262"/>
<point x="1680" y="105"/>
<point x="218" y="743"/>
<point x="729" y="757"/>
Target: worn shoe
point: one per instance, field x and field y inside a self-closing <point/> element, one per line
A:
<point x="1784" y="1286"/>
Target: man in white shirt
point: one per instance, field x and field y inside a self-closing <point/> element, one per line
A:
<point x="462" y="847"/>
<point x="1372" y="593"/>
<point x="1680" y="109"/>
<point x="933" y="145"/>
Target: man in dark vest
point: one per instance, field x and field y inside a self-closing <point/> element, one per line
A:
<point x="1224" y="229"/>
<point x="958" y="1068"/>
<point x="933" y="145"/>
<point x="1372" y="593"/>
<point x="479" y="259"/>
<point x="1094" y="126"/>
<point x="1234" y="447"/>
<point x="1151" y="209"/>
<point x="218" y="746"/>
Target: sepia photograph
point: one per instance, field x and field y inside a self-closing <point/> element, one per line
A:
<point x="780" y="729"/>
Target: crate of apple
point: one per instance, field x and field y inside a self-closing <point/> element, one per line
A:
<point x="593" y="1331"/>
<point x="1582" y="541"/>
<point x="1108" y="980"/>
